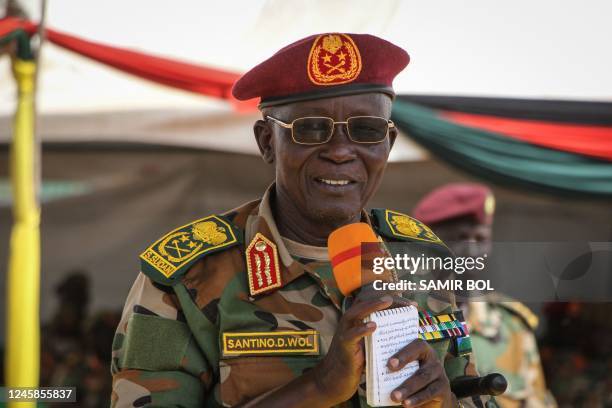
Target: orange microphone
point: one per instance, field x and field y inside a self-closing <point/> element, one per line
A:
<point x="344" y="246"/>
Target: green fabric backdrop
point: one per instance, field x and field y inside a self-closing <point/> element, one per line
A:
<point x="502" y="159"/>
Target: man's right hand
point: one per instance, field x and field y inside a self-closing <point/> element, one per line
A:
<point x="338" y="375"/>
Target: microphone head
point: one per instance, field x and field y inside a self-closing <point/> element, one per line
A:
<point x="344" y="248"/>
<point x="495" y="383"/>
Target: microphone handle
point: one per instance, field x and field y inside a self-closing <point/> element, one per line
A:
<point x="467" y="386"/>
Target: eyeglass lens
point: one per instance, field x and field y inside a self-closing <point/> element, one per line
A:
<point x="362" y="129"/>
<point x="367" y="129"/>
<point x="313" y="130"/>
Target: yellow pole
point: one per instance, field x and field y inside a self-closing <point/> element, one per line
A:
<point x="23" y="283"/>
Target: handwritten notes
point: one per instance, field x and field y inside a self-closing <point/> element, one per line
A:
<point x="395" y="329"/>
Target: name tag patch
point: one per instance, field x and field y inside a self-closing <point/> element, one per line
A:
<point x="262" y="343"/>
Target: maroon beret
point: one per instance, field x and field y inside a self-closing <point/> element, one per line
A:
<point x="456" y="200"/>
<point x="324" y="65"/>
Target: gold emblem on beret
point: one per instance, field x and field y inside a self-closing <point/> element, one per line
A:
<point x="334" y="59"/>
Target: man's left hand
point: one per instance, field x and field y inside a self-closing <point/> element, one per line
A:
<point x="428" y="384"/>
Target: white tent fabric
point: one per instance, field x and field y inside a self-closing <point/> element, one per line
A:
<point x="545" y="49"/>
<point x="217" y="129"/>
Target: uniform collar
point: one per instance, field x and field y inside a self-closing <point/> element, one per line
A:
<point x="261" y="220"/>
<point x="306" y="251"/>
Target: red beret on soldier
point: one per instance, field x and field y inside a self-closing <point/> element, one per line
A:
<point x="456" y="200"/>
<point x="324" y="65"/>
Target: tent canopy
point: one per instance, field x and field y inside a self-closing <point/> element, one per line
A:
<point x="520" y="49"/>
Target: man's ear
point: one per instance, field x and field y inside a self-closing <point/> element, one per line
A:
<point x="265" y="140"/>
<point x="392" y="136"/>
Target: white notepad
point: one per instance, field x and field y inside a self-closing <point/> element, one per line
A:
<point x="395" y="328"/>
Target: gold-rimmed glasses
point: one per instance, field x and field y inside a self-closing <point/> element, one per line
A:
<point x="314" y="130"/>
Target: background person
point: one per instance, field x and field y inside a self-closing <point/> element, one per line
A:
<point x="502" y="332"/>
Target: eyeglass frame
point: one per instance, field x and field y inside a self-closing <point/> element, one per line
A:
<point x="285" y="125"/>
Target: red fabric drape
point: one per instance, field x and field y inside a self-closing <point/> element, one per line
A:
<point x="595" y="141"/>
<point x="190" y="77"/>
<point x="8" y="25"/>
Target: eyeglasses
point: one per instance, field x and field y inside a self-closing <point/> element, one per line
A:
<point x="314" y="130"/>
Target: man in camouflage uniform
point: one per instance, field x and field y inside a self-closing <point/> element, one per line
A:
<point x="501" y="329"/>
<point x="242" y="308"/>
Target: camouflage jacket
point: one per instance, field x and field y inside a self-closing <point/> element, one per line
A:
<point x="504" y="342"/>
<point x="199" y="329"/>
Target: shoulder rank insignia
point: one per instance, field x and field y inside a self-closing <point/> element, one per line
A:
<point x="523" y="312"/>
<point x="401" y="226"/>
<point x="263" y="268"/>
<point x="172" y="255"/>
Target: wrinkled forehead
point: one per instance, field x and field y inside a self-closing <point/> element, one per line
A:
<point x="338" y="108"/>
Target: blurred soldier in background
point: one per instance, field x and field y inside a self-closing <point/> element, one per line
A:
<point x="577" y="353"/>
<point x="62" y="339"/>
<point x="76" y="348"/>
<point x="502" y="331"/>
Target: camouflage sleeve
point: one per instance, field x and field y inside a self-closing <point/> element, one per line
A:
<point x="156" y="361"/>
<point x="457" y="366"/>
<point x="505" y="343"/>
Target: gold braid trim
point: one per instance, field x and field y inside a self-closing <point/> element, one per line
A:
<point x="267" y="268"/>
<point x="258" y="270"/>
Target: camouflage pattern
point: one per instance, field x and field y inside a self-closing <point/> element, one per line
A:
<point x="168" y="346"/>
<point x="577" y="353"/>
<point x="504" y="342"/>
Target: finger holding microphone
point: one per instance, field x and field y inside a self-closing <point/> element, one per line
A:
<point x="338" y="375"/>
<point x="349" y="248"/>
<point x="352" y="249"/>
